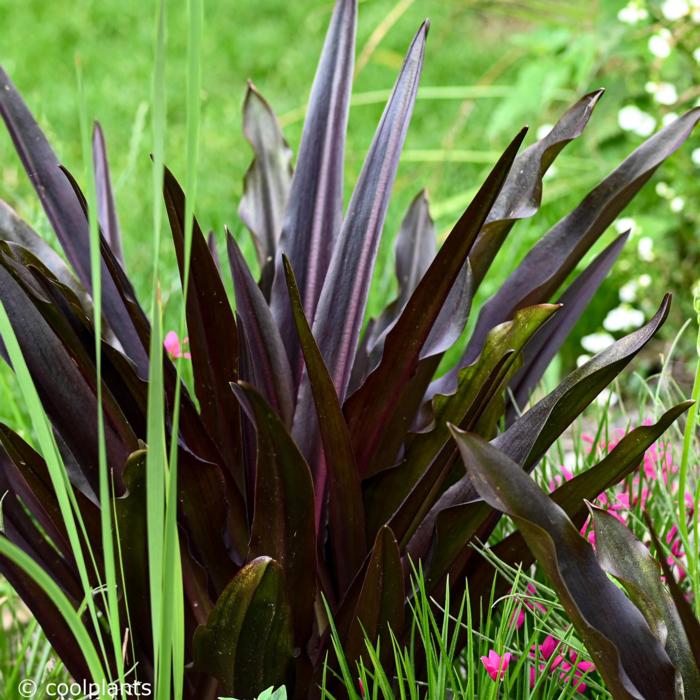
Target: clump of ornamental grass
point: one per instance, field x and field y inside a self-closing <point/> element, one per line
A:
<point x="197" y="537"/>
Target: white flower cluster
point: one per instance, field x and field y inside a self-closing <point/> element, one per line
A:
<point x="633" y="13"/>
<point x="663" y="93"/>
<point x="631" y="118"/>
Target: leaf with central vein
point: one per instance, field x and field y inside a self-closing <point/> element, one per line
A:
<point x="106" y="208"/>
<point x="478" y="383"/>
<point x="369" y="408"/>
<point x="287" y="534"/>
<point x="623" y="556"/>
<point x="526" y="441"/>
<point x="627" y="655"/>
<point x="455" y="526"/>
<point x="65" y="212"/>
<point x="345" y="507"/>
<point x="267" y="182"/>
<point x="547" y="342"/>
<point x="555" y="256"/>
<point x="271" y="363"/>
<point x="521" y="195"/>
<point x="212" y="331"/>
<point x="247" y="641"/>
<point x="315" y="211"/>
<point x="342" y="304"/>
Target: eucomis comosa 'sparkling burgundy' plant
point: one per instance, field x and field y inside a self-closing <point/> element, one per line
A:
<point x="316" y="461"/>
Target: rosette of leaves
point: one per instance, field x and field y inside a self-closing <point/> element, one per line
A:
<point x="314" y="459"/>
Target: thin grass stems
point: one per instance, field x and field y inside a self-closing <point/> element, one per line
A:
<point x="54" y="592"/>
<point x="156" y="465"/>
<point x="688" y="437"/>
<point x="105" y="482"/>
<point x="173" y="623"/>
<point x="68" y="507"/>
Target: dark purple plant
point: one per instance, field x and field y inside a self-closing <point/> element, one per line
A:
<point x="317" y="459"/>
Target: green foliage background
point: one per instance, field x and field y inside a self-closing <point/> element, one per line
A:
<point x="507" y="63"/>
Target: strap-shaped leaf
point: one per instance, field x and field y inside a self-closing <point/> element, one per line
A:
<point x="52" y="349"/>
<point x="345" y="507"/>
<point x="370" y="408"/>
<point x="630" y="659"/>
<point x="273" y="377"/>
<point x="529" y="437"/>
<point x="455" y="526"/>
<point x="545" y="345"/>
<point x="380" y="604"/>
<point x="521" y="195"/>
<point x="267" y="181"/>
<point x="212" y="331"/>
<point x="533" y="433"/>
<point x="555" y="256"/>
<point x="65" y="213"/>
<point x="623" y="556"/>
<point x="106" y="208"/>
<point x="283" y="513"/>
<point x="314" y="214"/>
<point x="414" y="249"/>
<point x="342" y="304"/>
<point x="247" y="641"/>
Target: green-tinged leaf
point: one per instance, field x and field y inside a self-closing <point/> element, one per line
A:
<point x="533" y="433"/>
<point x="345" y="507"/>
<point x="540" y="352"/>
<point x="380" y="604"/>
<point x="267" y="181"/>
<point x="271" y="374"/>
<point x="630" y="659"/>
<point x="623" y="556"/>
<point x="247" y="641"/>
<point x="283" y="516"/>
<point x="369" y="409"/>
<point x="429" y="454"/>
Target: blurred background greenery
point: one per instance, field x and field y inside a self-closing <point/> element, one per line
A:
<point x="491" y="66"/>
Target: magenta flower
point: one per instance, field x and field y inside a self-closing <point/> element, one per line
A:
<point x="495" y="664"/>
<point x="172" y="346"/>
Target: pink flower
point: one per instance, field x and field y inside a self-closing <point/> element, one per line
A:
<point x="495" y="664"/>
<point x="173" y="347"/>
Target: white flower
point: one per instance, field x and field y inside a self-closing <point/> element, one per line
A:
<point x="663" y="190"/>
<point x="644" y="280"/>
<point x="666" y="94"/>
<point x="645" y="249"/>
<point x="695" y="16"/>
<point x="606" y="398"/>
<point x="669" y="118"/>
<point x="674" y="9"/>
<point x="623" y="318"/>
<point x="677" y="204"/>
<point x="660" y="43"/>
<point x="628" y="292"/>
<point x="632" y="13"/>
<point x="544" y="130"/>
<point x="696" y="54"/>
<point x="627" y="223"/>
<point x="695" y="156"/>
<point x="596" y="342"/>
<point x="631" y="118"/>
<point x="582" y="359"/>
